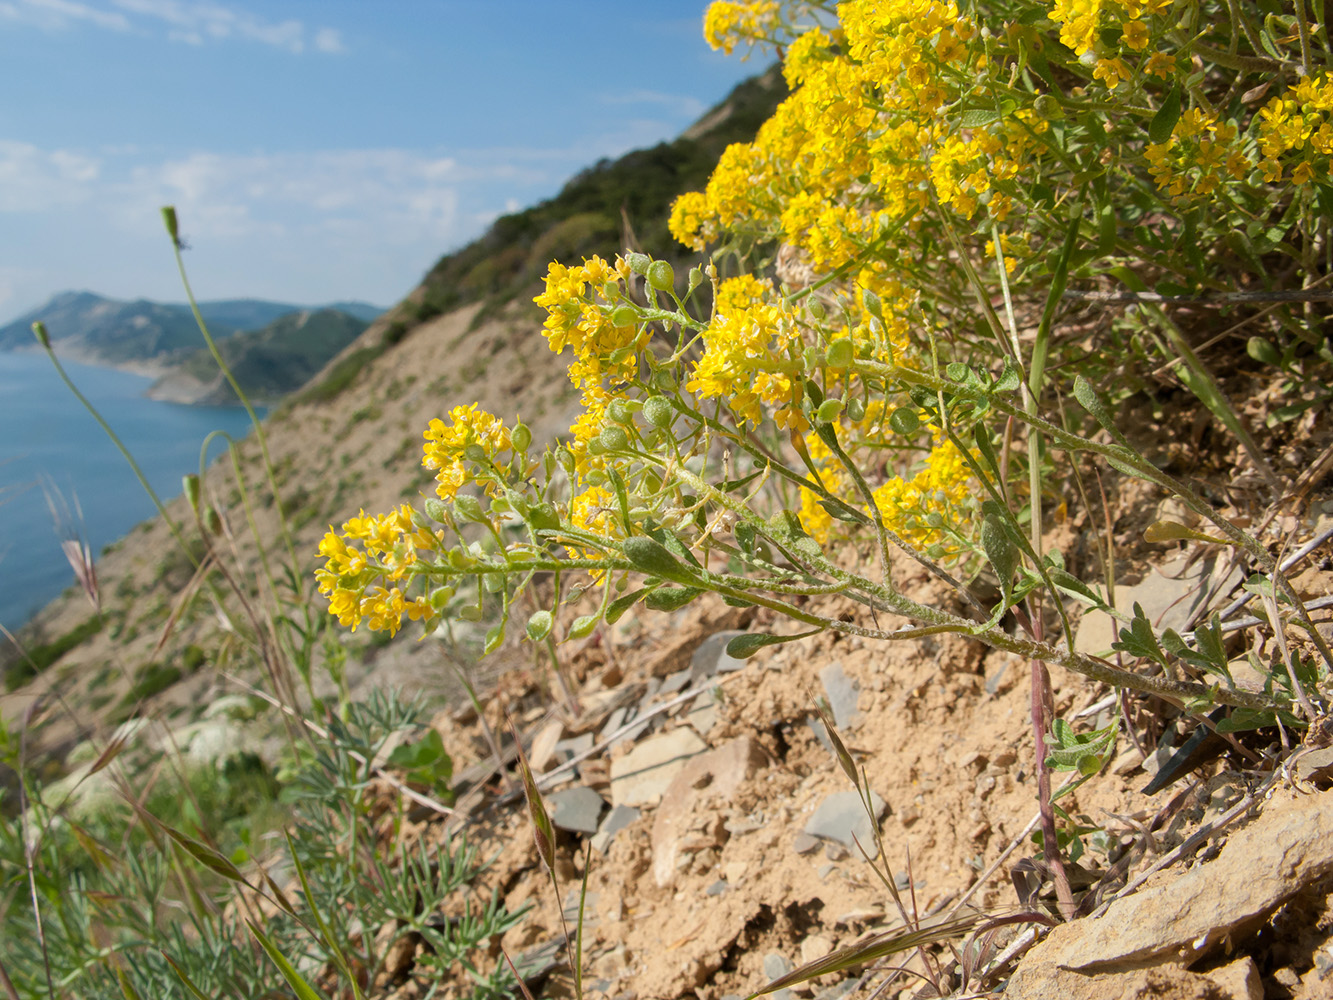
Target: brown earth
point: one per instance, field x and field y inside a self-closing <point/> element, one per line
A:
<point x="943" y="733"/>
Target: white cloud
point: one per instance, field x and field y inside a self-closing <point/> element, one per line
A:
<point x="329" y="40"/>
<point x="57" y="14"/>
<point x="190" y="22"/>
<point x="34" y="180"/>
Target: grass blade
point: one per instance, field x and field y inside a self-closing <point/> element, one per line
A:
<point x="870" y="950"/>
<point x="302" y="989"/>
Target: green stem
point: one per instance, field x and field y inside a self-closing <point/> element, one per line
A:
<point x="260" y="436"/>
<point x="40" y="330"/>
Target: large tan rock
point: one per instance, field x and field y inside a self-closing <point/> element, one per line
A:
<point x="1148" y="941"/>
<point x="716" y="774"/>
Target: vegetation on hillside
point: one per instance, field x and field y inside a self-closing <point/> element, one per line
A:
<point x="278" y="358"/>
<point x="974" y="246"/>
<point x="600" y="209"/>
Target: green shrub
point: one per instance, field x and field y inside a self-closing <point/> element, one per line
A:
<point x="39" y="658"/>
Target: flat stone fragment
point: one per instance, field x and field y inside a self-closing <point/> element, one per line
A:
<point x="613" y="722"/>
<point x="1170" y="597"/>
<point x="641" y="776"/>
<point x="803" y="843"/>
<point x="567" y="749"/>
<point x="576" y="809"/>
<point x="716" y="774"/>
<point x="711" y="656"/>
<point x="616" y="820"/>
<point x="675" y="682"/>
<point x="816" y="725"/>
<point x="703" y="716"/>
<point x="544" y="745"/>
<point x="776" y="966"/>
<point x="842" y="694"/>
<point x="838" y="991"/>
<point x="1212" y="907"/>
<point x="842" y="818"/>
<point x="717" y="888"/>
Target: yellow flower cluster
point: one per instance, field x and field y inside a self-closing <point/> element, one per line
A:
<point x="752" y="332"/>
<point x="580" y="302"/>
<point x="1085" y="26"/>
<point x="447" y="444"/>
<point x="1300" y="122"/>
<point x="366" y="565"/>
<point x="1200" y="155"/>
<point x="920" y="508"/>
<point x="859" y="151"/>
<point x="728" y="23"/>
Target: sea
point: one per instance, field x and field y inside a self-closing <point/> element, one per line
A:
<point x="54" y="453"/>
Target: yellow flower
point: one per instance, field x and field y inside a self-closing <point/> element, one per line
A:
<point x="1136" y="35"/>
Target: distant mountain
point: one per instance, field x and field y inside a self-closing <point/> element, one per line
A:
<point x="268" y="363"/>
<point x="144" y="335"/>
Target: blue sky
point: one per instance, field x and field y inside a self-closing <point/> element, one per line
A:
<point x="316" y="150"/>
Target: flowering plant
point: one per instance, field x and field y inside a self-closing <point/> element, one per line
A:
<point x="862" y="371"/>
<point x="931" y="157"/>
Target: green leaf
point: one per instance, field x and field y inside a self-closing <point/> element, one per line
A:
<point x="1174" y="531"/>
<point x="1000" y="550"/>
<point x="1106" y="228"/>
<point x="1244" y="719"/>
<point x="622" y="604"/>
<point x="1263" y="351"/>
<point x="495" y="637"/>
<point x="904" y="421"/>
<point x="744" y="646"/>
<point x="652" y="558"/>
<point x="189" y="984"/>
<point x="1068" y="582"/>
<point x="204" y="854"/>
<point x="1088" y="399"/>
<point x="982" y="436"/>
<point x="622" y="498"/>
<point x="1008" y="379"/>
<point x="1164" y="122"/>
<point x="302" y="989"/>
<point x="978" y="117"/>
<point x="670" y="598"/>
<point x="1139" y="639"/>
<point x="841" y="512"/>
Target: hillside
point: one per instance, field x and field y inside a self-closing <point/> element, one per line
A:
<point x="143" y="335"/>
<point x="874" y="801"/>
<point x="268" y="363"/>
<point x="351" y="438"/>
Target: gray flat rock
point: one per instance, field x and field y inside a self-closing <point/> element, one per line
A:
<point x="776" y="965"/>
<point x="1171" y="596"/>
<point x="616" y="820"/>
<point x="717" y="888"/>
<point x="613" y="722"/>
<point x="674" y="682"/>
<point x="711" y="656"/>
<point x="576" y="809"/>
<point x="703" y="716"/>
<point x="842" y="818"/>
<point x="566" y="749"/>
<point x="842" y="694"/>
<point x="803" y="843"/>
<point x="641" y="776"/>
